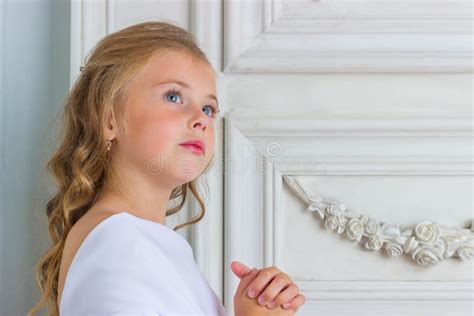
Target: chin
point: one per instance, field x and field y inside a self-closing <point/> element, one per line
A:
<point x="183" y="178"/>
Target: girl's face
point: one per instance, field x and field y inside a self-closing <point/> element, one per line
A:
<point x="171" y="101"/>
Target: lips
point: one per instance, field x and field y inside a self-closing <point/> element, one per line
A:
<point x="195" y="145"/>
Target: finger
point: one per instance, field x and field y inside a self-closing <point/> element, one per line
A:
<point x="295" y="303"/>
<point x="239" y="269"/>
<point x="264" y="277"/>
<point x="245" y="281"/>
<point x="285" y="296"/>
<point x="271" y="291"/>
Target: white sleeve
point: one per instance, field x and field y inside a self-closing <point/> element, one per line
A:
<point x="111" y="276"/>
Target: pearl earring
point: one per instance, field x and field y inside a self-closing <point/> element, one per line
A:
<point x="109" y="144"/>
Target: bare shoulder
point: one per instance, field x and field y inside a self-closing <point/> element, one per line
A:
<point x="74" y="239"/>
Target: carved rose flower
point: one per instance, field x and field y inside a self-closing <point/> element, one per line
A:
<point x="355" y="229"/>
<point x="374" y="243"/>
<point x="465" y="253"/>
<point x="425" y="257"/>
<point x="332" y="222"/>
<point x="371" y="227"/>
<point x="427" y="233"/>
<point x="393" y="250"/>
<point x="335" y="209"/>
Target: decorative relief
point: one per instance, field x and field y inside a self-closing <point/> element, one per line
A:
<point x="347" y="36"/>
<point x="426" y="243"/>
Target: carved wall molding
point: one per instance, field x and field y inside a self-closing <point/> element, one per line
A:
<point x="259" y="153"/>
<point x="347" y="36"/>
<point x="427" y="242"/>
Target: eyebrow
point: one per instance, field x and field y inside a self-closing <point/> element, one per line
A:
<point x="184" y="84"/>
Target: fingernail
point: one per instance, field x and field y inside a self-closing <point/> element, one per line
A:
<point x="252" y="293"/>
<point x="261" y="300"/>
<point x="286" y="305"/>
<point x="272" y="304"/>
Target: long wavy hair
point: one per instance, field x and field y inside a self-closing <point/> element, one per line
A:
<point x="80" y="165"/>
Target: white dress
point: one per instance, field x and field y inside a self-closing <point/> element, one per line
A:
<point x="129" y="265"/>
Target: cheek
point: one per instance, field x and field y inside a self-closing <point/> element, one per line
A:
<point x="154" y="134"/>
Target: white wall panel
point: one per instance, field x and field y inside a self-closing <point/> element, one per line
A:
<point x="427" y="177"/>
<point x="347" y="36"/>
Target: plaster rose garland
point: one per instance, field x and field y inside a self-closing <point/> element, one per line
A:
<point x="427" y="242"/>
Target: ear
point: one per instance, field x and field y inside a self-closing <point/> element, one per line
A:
<point x="110" y="128"/>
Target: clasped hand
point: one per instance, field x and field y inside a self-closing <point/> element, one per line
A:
<point x="265" y="291"/>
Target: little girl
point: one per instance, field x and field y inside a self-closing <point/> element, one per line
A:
<point x="138" y="131"/>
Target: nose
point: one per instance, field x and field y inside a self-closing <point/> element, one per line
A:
<point x="199" y="120"/>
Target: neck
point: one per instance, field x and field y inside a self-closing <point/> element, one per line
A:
<point x="137" y="199"/>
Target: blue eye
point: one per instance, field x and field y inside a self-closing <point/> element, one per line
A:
<point x="174" y="92"/>
<point x="178" y="92"/>
<point x="214" y="109"/>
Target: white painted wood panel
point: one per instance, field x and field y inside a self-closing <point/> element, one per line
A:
<point x="306" y="36"/>
<point x="351" y="161"/>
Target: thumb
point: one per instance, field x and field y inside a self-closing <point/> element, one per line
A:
<point x="244" y="282"/>
<point x="239" y="269"/>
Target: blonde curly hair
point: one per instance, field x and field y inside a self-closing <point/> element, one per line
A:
<point x="80" y="165"/>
